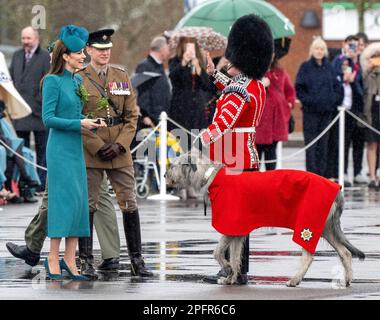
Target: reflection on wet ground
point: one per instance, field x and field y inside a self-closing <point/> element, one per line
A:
<point x="178" y="247"/>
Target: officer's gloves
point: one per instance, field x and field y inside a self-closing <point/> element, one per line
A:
<point x="110" y="151"/>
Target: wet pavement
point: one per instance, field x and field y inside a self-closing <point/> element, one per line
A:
<point x="178" y="242"/>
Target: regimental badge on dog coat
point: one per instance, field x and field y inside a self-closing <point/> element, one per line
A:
<point x="292" y="199"/>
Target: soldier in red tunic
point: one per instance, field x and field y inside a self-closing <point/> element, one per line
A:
<point x="231" y="136"/>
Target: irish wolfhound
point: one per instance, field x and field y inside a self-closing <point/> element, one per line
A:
<point x="192" y="169"/>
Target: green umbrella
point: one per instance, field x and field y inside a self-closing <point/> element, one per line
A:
<point x="221" y="14"/>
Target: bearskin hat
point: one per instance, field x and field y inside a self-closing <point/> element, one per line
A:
<point x="250" y="46"/>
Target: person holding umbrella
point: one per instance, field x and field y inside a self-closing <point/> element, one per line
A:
<point x="190" y="87"/>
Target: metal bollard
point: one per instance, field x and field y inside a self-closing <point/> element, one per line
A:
<point x="280" y="148"/>
<point x="342" y="118"/>
<point x="163" y="160"/>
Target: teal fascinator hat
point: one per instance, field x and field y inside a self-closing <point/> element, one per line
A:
<point x="73" y="37"/>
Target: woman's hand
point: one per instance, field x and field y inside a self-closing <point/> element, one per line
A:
<point x="197" y="65"/>
<point x="266" y="82"/>
<point x="93" y="124"/>
<point x="148" y="122"/>
<point x="210" y="65"/>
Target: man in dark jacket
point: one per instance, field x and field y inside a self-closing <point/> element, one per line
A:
<point x="29" y="65"/>
<point x="155" y="94"/>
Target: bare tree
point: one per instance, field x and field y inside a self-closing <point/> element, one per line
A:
<point x="136" y="21"/>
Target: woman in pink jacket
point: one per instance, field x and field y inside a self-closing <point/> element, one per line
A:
<point x="274" y="124"/>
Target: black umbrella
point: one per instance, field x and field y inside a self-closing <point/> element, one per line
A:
<point x="281" y="47"/>
<point x="139" y="78"/>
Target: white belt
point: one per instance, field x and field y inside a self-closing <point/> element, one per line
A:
<point x="245" y="130"/>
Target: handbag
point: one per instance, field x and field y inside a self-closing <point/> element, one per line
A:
<point x="292" y="124"/>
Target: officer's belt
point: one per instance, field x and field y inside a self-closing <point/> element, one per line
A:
<point x="113" y="121"/>
<point x="244" y="130"/>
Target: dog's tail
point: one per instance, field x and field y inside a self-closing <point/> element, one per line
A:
<point x="337" y="230"/>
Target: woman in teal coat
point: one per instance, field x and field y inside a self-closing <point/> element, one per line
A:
<point x="63" y="96"/>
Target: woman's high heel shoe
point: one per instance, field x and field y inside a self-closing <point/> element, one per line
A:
<point x="64" y="266"/>
<point x="50" y="275"/>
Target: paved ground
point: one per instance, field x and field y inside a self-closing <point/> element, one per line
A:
<point x="178" y="241"/>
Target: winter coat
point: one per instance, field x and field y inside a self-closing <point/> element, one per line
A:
<point x="67" y="179"/>
<point x="154" y="96"/>
<point x="122" y="133"/>
<point x="274" y="124"/>
<point x="190" y="96"/>
<point x="317" y="87"/>
<point x="371" y="79"/>
<point x="27" y="80"/>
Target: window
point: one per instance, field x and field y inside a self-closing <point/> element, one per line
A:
<point x="341" y="19"/>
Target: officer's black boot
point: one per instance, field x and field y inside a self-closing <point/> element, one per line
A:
<point x="85" y="253"/>
<point x="132" y="231"/>
<point x="23" y="253"/>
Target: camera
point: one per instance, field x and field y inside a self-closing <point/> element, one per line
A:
<point x="352" y="46"/>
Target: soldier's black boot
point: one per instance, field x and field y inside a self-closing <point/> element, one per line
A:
<point x="111" y="264"/>
<point x="23" y="253"/>
<point x="86" y="257"/>
<point x="244" y="268"/>
<point x="132" y="231"/>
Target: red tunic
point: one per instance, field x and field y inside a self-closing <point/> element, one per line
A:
<point x="292" y="199"/>
<point x="231" y="135"/>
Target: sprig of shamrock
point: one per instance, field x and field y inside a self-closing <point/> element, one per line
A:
<point x="102" y="103"/>
<point x="83" y="94"/>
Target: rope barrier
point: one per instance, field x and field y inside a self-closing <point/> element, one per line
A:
<point x="146" y="138"/>
<point x="289" y="157"/>
<point x="309" y="145"/>
<point x="182" y="128"/>
<point x="21" y="157"/>
<point x="363" y="122"/>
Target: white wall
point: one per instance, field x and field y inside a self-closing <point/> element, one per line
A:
<point x="339" y="22"/>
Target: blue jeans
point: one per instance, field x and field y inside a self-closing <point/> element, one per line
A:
<point x="40" y="140"/>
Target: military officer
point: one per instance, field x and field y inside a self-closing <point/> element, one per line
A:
<point x="107" y="150"/>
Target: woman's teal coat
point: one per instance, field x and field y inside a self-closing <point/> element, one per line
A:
<point x="68" y="213"/>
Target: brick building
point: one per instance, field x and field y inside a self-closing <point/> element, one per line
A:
<point x="294" y="10"/>
<point x="299" y="52"/>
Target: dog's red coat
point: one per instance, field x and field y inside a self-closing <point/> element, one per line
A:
<point x="292" y="199"/>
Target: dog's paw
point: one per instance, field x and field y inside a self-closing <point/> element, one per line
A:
<point x="341" y="284"/>
<point x="223" y="281"/>
<point x="292" y="283"/>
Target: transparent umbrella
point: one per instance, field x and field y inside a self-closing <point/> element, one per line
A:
<point x="206" y="37"/>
